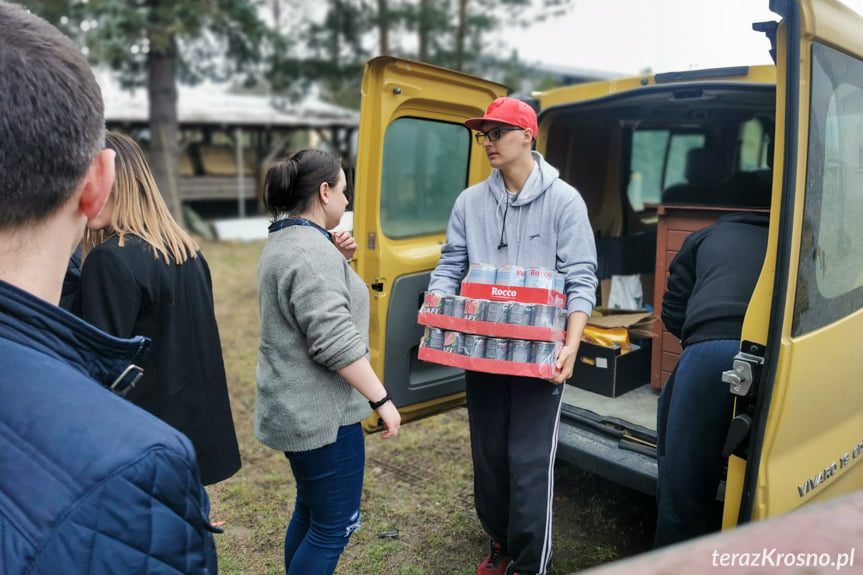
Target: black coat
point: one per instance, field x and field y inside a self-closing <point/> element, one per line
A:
<point x="128" y="291"/>
<point x="712" y="277"/>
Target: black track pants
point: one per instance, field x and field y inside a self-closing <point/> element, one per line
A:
<point x="513" y="434"/>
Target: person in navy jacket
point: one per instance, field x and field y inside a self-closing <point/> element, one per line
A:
<point x="89" y="483"/>
<point x="710" y="283"/>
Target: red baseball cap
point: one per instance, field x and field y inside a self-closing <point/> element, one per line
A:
<point x="507" y="111"/>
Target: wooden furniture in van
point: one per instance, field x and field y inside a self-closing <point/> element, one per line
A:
<point x="675" y="223"/>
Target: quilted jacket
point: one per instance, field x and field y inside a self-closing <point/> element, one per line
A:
<point x="89" y="483"/>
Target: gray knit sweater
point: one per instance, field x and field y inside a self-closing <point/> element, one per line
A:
<point x="314" y="320"/>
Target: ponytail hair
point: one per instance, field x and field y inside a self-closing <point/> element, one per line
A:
<point x="291" y="184"/>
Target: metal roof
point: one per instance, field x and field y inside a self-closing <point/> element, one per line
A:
<point x="213" y="104"/>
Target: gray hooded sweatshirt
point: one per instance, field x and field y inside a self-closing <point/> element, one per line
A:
<point x="546" y="225"/>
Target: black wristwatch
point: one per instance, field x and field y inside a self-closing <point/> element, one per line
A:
<point x="377" y="404"/>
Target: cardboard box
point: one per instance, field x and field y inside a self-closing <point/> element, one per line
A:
<point x="606" y="371"/>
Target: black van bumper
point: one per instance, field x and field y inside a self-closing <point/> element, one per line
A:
<point x="605" y="455"/>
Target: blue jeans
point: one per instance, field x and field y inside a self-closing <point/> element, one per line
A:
<point x="695" y="410"/>
<point x="329" y="485"/>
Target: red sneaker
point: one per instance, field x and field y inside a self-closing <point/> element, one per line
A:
<point x="496" y="562"/>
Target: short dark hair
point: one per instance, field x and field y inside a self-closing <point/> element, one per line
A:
<point x="291" y="183"/>
<point x="51" y="117"/>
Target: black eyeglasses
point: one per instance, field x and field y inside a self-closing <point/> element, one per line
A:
<point x="493" y="135"/>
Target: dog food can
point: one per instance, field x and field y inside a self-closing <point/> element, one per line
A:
<point x="519" y="351"/>
<point x="481" y="274"/>
<point x="496" y="311"/>
<point x="473" y="345"/>
<point x="513" y="276"/>
<point x="497" y="348"/>
<point x="543" y="315"/>
<point x="448" y="304"/>
<point x="433" y="338"/>
<point x="560" y="317"/>
<point x="540" y="278"/>
<point x="433" y="303"/>
<point x="452" y="341"/>
<point x="458" y="306"/>
<point x="544" y="352"/>
<point x="520" y="313"/>
<point x="558" y="284"/>
<point x="474" y="309"/>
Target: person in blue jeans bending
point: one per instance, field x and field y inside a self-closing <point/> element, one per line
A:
<point x="710" y="283"/>
<point x="314" y="380"/>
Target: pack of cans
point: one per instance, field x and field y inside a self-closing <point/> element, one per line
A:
<point x="507" y="344"/>
<point x="543" y="315"/>
<point x="542" y="278"/>
<point x="516" y="276"/>
<point x="519" y="350"/>
<point x="452" y="305"/>
<point x="433" y="303"/>
<point x="497" y="311"/>
<point x="520" y="313"/>
<point x="458" y="306"/>
<point x="473" y="345"/>
<point x="452" y="342"/>
<point x="497" y="348"/>
<point x="544" y="352"/>
<point x="481" y="274"/>
<point x="447" y="303"/>
<point x="474" y="309"/>
<point x="432" y="338"/>
<point x="511" y="276"/>
<point x="559" y="285"/>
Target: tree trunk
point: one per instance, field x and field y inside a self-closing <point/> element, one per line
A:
<point x="423" y="27"/>
<point x="384" y="27"/>
<point x="162" y="90"/>
<point x="460" y="35"/>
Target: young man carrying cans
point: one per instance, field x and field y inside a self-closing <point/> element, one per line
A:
<point x="522" y="215"/>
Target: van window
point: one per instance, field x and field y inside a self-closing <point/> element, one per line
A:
<point x="425" y="168"/>
<point x="831" y="256"/>
<point x="754" y="146"/>
<point x="658" y="161"/>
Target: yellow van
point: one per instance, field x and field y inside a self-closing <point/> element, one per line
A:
<point x="656" y="157"/>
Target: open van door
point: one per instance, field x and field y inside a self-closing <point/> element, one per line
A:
<point x="798" y="429"/>
<point x="414" y="158"/>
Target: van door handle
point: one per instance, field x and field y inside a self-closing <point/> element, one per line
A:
<point x="378" y="286"/>
<point x="738" y="433"/>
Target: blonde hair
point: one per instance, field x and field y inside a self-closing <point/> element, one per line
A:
<point x="139" y="208"/>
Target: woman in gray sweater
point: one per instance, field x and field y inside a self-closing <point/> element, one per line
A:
<point x="314" y="380"/>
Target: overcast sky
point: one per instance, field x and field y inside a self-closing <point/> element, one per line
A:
<point x="626" y="36"/>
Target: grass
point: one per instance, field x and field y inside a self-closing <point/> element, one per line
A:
<point x="418" y="515"/>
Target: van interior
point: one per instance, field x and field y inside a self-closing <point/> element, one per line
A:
<point x="653" y="167"/>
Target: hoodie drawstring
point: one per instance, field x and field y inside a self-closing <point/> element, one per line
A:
<point x="502" y="243"/>
<point x="518" y="227"/>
